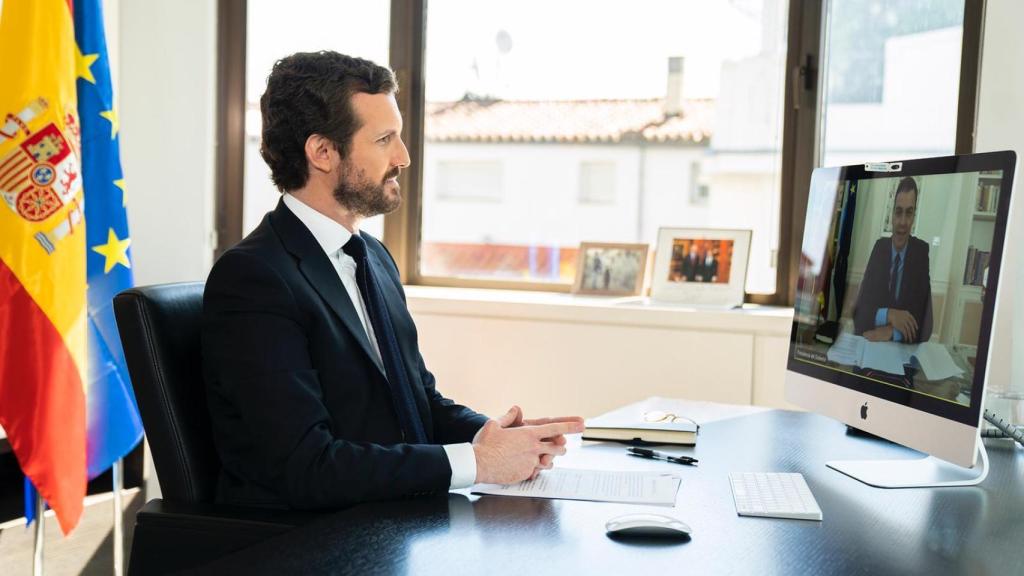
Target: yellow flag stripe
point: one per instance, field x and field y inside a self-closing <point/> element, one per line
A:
<point x="38" y="89"/>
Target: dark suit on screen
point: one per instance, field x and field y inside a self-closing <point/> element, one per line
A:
<point x="302" y="414"/>
<point x="915" y="293"/>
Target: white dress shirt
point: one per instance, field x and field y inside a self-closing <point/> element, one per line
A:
<point x="332" y="237"/>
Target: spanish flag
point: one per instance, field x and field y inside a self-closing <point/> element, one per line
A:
<point x="43" y="314"/>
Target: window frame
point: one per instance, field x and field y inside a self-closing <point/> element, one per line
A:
<point x="800" y="150"/>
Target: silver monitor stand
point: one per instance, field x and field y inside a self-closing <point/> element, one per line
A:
<point x="925" y="472"/>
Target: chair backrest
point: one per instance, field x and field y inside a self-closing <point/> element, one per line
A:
<point x="160" y="332"/>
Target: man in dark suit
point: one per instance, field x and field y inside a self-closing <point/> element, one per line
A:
<point x="709" y="271"/>
<point x="318" y="394"/>
<point x="692" y="263"/>
<point x="895" y="295"/>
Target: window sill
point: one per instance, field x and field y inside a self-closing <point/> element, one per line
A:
<point x="580" y="309"/>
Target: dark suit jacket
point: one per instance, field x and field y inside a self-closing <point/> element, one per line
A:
<point x="915" y="290"/>
<point x="709" y="270"/>
<point x="691" y="267"/>
<point x="302" y="416"/>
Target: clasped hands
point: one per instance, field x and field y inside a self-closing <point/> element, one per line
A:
<point x="897" y="320"/>
<point x="512" y="449"/>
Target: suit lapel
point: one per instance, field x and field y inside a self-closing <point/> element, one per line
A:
<point x="320" y="273"/>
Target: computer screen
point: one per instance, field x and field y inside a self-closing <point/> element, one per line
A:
<point x="896" y="290"/>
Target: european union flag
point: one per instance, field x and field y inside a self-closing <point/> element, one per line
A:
<point x="112" y="416"/>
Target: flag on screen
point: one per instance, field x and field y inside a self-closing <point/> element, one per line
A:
<point x="43" y="319"/>
<point x="112" y="417"/>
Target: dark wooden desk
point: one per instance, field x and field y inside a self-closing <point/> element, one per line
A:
<point x="865" y="530"/>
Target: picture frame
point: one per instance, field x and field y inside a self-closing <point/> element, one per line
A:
<point x="701" y="266"/>
<point x="610" y="269"/>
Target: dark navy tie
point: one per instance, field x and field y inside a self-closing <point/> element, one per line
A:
<point x="387" y="342"/>
<point x="894" y="283"/>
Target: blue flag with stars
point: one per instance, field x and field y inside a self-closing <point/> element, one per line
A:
<point x="112" y="416"/>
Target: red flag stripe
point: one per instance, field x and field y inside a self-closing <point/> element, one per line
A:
<point x="15" y="167"/>
<point x="14" y="183"/>
<point x="15" y="156"/>
<point x="22" y="164"/>
<point x="43" y="401"/>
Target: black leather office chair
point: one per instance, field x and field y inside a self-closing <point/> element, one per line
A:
<point x="160" y="333"/>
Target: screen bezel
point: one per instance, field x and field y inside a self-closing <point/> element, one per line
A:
<point x="969" y="414"/>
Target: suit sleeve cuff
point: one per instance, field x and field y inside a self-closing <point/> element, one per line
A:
<point x="463" y="462"/>
<point x="881" y="317"/>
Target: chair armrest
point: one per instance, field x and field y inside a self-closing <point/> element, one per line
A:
<point x="174" y="536"/>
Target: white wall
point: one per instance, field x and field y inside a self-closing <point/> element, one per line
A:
<point x="1001" y="127"/>
<point x="163" y="57"/>
<point x="555" y="354"/>
<point x="539" y="197"/>
<point x="167" y="101"/>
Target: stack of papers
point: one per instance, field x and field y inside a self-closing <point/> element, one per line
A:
<point x="933" y="358"/>
<point x="595" y="485"/>
<point x="847" y="349"/>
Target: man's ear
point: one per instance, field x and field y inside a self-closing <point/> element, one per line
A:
<point x="320" y="153"/>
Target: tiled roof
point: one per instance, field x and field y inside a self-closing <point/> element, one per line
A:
<point x="567" y="121"/>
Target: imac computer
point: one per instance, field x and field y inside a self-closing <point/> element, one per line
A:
<point x="896" y="294"/>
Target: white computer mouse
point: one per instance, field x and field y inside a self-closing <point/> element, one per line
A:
<point x="647" y="524"/>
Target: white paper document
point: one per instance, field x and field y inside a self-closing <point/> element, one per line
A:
<point x="936" y="361"/>
<point x="932" y="357"/>
<point x="595" y="485"/>
<point x="847" y="349"/>
<point x="886" y="356"/>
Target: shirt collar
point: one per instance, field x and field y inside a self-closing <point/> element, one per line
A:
<point x="902" y="253"/>
<point x="329" y="234"/>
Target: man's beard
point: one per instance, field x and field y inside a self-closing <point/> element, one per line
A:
<point x="363" y="197"/>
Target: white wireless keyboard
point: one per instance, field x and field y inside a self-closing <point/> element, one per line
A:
<point x="773" y="495"/>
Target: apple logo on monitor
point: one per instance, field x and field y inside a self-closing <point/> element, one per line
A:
<point x="864" y="411"/>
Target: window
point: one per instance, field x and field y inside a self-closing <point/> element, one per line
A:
<point x="892" y="77"/>
<point x="277" y="29"/>
<point x="529" y="135"/>
<point x="597" y="182"/>
<point x="599" y="135"/>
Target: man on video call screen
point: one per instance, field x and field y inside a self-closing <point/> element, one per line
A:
<point x="892" y="279"/>
<point x="896" y="289"/>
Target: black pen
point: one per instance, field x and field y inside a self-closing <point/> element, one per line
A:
<point x="652" y="455"/>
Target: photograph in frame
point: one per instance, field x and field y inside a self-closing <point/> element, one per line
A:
<point x="701" y="266"/>
<point x="610" y="269"/>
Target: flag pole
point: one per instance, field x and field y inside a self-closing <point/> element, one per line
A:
<point x="37" y="552"/>
<point x="117" y="472"/>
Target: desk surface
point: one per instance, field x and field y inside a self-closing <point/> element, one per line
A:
<point x="865" y="530"/>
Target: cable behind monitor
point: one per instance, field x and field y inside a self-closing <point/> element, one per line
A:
<point x="1005" y="429"/>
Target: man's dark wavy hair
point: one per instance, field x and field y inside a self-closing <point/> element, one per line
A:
<point x="311" y="93"/>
